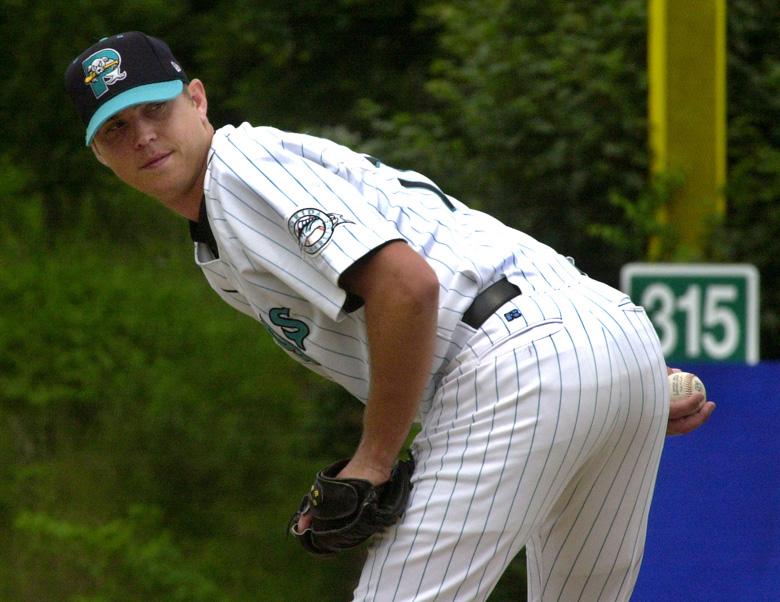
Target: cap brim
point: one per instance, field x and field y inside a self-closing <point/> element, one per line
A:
<point x="158" y="92"/>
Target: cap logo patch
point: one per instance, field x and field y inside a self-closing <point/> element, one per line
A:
<point x="103" y="69"/>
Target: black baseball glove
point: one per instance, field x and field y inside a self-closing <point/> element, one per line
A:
<point x="346" y="512"/>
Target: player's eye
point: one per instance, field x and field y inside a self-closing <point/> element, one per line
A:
<point x="156" y="109"/>
<point x="114" y="127"/>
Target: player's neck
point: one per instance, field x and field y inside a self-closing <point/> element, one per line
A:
<point x="188" y="204"/>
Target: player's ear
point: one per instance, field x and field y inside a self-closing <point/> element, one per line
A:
<point x="97" y="154"/>
<point x="198" y="94"/>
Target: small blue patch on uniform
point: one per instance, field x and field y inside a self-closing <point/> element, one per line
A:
<point x="512" y="315"/>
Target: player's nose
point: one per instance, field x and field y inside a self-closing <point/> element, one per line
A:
<point x="144" y="132"/>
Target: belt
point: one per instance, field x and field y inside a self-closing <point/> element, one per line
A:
<point x="488" y="301"/>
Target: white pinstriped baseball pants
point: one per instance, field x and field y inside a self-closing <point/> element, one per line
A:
<point x="546" y="433"/>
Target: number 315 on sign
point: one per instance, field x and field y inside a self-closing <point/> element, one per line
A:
<point x="701" y="312"/>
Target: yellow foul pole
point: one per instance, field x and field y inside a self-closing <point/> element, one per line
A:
<point x="687" y="115"/>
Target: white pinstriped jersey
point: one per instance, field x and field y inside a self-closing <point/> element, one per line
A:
<point x="543" y="428"/>
<point x="291" y="212"/>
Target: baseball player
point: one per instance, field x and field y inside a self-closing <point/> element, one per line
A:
<point x="541" y="393"/>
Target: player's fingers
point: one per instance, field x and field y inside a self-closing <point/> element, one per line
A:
<point x="688" y="424"/>
<point x="304" y="522"/>
<point x="685" y="407"/>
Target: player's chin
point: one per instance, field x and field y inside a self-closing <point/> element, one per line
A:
<point x="160" y="184"/>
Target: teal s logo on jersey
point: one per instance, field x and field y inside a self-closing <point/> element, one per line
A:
<point x="294" y="331"/>
<point x="314" y="228"/>
<point x="103" y="69"/>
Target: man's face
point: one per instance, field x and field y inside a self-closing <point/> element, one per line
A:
<point x="160" y="148"/>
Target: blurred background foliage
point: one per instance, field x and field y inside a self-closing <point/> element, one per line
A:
<point x="154" y="442"/>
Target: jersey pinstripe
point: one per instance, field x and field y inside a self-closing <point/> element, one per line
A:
<point x="259" y="178"/>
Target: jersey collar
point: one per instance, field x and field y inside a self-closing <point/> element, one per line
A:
<point x="200" y="231"/>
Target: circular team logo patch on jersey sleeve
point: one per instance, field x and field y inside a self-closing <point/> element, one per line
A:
<point x="313" y="228"/>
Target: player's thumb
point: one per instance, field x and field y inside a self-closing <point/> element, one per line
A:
<point x="304" y="522"/>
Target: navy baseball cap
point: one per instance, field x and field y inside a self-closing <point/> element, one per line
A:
<point x="121" y="71"/>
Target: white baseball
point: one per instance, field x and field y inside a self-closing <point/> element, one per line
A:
<point x="684" y="384"/>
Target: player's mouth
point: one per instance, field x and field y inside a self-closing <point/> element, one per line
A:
<point x="156" y="161"/>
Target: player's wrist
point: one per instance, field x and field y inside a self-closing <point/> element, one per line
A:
<point x="372" y="469"/>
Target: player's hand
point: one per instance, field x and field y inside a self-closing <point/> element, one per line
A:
<point x="304" y="522"/>
<point x="353" y="470"/>
<point x="681" y="420"/>
<point x="341" y="513"/>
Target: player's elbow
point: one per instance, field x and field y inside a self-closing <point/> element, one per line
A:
<point x="416" y="280"/>
<point x="413" y="289"/>
<point x="426" y="289"/>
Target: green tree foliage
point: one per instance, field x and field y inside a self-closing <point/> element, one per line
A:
<point x="151" y="446"/>
<point x="306" y="64"/>
<point x="132" y="559"/>
<point x="751" y="230"/>
<point x="539" y="115"/>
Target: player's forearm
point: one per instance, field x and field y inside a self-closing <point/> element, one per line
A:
<point x="403" y="340"/>
<point x="401" y="310"/>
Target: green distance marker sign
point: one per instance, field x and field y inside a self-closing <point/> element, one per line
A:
<point x="702" y="312"/>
